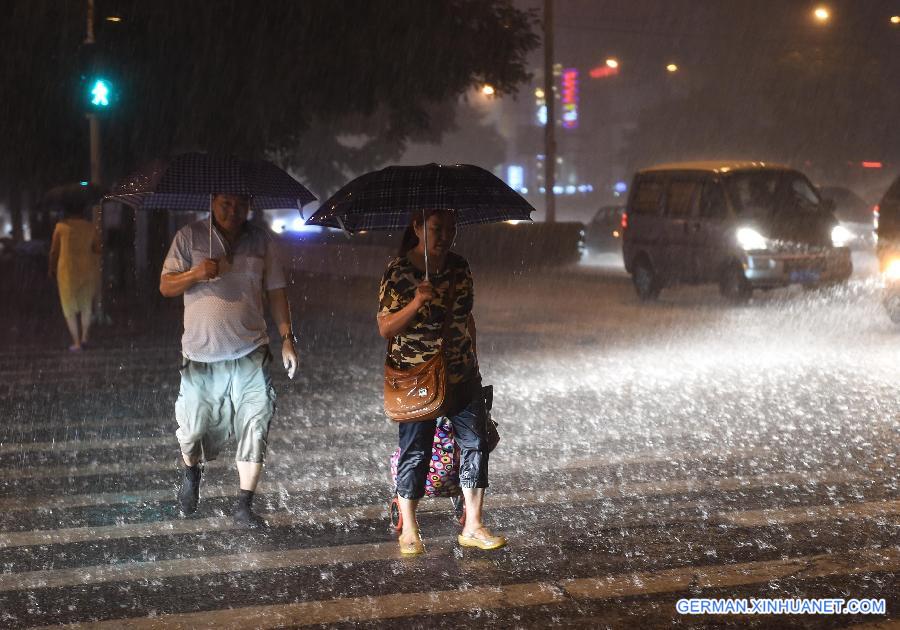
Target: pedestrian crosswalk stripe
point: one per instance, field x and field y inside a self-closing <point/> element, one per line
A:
<point x="205" y="565"/>
<point x="225" y="460"/>
<point x="759" y="518"/>
<point x="873" y="509"/>
<point x="876" y="625"/>
<point x="282" y="432"/>
<point x="72" y="446"/>
<point x="281" y="422"/>
<point x="851" y="562"/>
<point x="94" y="468"/>
<point x="18" y="504"/>
<point x="81" y="425"/>
<point x="409" y="605"/>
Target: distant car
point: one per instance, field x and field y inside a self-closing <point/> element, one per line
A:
<point x="888" y="225"/>
<point x="888" y="248"/>
<point x="604" y="232"/>
<point x="854" y="215"/>
<point x="744" y="225"/>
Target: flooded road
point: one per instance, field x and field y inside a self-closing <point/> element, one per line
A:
<point x="649" y="453"/>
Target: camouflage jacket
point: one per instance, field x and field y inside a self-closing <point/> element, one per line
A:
<point x="421" y="340"/>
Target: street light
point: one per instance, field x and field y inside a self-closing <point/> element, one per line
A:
<point x="488" y="90"/>
<point x="895" y="19"/>
<point x="672" y="67"/>
<point x="612" y="62"/>
<point x="822" y="14"/>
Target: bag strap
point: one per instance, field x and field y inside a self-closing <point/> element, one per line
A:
<point x="448" y="315"/>
<point x="448" y="306"/>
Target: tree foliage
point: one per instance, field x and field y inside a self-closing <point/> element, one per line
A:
<point x="325" y="87"/>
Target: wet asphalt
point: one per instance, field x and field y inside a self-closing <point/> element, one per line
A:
<point x="687" y="437"/>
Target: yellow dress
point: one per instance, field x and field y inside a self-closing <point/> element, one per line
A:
<point x="78" y="267"/>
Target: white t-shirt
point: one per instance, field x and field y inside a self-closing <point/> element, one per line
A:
<point x="224" y="318"/>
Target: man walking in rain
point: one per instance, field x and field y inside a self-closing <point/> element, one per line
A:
<point x="222" y="270"/>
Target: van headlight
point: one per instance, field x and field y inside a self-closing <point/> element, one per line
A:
<point x="749" y="239"/>
<point x="840" y="236"/>
<point x="892" y="270"/>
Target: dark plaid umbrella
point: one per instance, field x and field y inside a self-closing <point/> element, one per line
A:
<point x="386" y="199"/>
<point x="188" y="180"/>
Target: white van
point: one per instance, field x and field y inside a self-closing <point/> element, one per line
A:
<point x="743" y="225"/>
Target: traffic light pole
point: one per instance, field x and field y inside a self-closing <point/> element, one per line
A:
<point x="96" y="173"/>
<point x="550" y="123"/>
<point x="93" y="121"/>
<point x="89" y="36"/>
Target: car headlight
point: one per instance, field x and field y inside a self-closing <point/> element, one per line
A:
<point x="840" y="236"/>
<point x="892" y="270"/>
<point x="750" y="239"/>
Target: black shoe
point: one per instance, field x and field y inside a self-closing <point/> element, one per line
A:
<point x="244" y="516"/>
<point x="189" y="493"/>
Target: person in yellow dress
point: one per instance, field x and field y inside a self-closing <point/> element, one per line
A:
<point x="75" y="262"/>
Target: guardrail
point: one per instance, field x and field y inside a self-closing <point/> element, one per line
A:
<point x="514" y="246"/>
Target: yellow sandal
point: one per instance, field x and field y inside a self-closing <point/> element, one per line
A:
<point x="486" y="541"/>
<point x="415" y="548"/>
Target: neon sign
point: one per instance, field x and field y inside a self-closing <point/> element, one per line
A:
<point x="601" y="72"/>
<point x="570" y="98"/>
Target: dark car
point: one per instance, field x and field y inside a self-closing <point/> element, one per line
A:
<point x="854" y="215"/>
<point x="743" y="225"/>
<point x="604" y="232"/>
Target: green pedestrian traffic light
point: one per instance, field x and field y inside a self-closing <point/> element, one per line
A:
<point x="100" y="94"/>
<point x="99" y="88"/>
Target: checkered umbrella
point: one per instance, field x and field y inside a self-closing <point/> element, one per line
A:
<point x="386" y="199"/>
<point x="187" y="181"/>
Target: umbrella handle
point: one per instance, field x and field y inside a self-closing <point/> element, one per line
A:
<point x="425" y="235"/>
<point x="210" y="224"/>
<point x="343" y="227"/>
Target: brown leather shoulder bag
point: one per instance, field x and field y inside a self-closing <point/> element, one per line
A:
<point x="419" y="393"/>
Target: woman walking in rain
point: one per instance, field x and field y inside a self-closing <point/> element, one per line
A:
<point x="75" y="262"/>
<point x="412" y="316"/>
